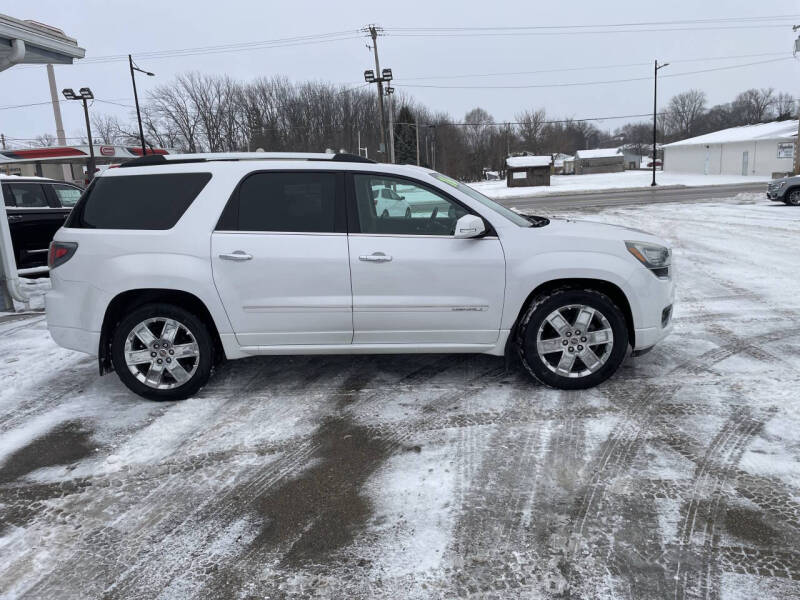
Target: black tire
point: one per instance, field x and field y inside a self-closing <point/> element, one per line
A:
<point x="408" y="213"/>
<point x="192" y="323"/>
<point x="792" y="198"/>
<point x="545" y="305"/>
<point x="384" y="214"/>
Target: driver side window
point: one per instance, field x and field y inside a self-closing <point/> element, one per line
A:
<point x="389" y="205"/>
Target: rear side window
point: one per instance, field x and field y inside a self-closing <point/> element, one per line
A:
<point x="28" y="195"/>
<point x="137" y="201"/>
<point x="67" y="195"/>
<point x="284" y="202"/>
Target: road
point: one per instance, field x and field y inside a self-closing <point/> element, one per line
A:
<point x="633" y="197"/>
<point x="421" y="476"/>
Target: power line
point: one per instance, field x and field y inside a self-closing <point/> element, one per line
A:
<point x="592" y="68"/>
<point x="759" y="18"/>
<point x="472" y="34"/>
<point x="583" y="83"/>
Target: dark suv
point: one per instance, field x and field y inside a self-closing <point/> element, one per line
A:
<point x="36" y="208"/>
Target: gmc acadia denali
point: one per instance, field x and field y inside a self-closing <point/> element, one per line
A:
<point x="171" y="264"/>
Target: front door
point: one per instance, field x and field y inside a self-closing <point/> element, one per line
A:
<point x="280" y="260"/>
<point x="413" y="282"/>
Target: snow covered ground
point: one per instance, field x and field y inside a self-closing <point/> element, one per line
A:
<point x="432" y="476"/>
<point x="608" y="181"/>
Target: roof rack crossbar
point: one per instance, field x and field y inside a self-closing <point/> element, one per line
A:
<point x="160" y="159"/>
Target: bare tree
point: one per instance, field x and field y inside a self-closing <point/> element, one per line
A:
<point x="753" y="106"/>
<point x="105" y="128"/>
<point x="531" y="127"/>
<point x="45" y="140"/>
<point x="683" y="113"/>
<point x="783" y="106"/>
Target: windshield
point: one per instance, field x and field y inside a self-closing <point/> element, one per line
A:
<point x="515" y="218"/>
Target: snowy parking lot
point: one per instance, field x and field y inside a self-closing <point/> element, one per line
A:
<point x="432" y="476"/>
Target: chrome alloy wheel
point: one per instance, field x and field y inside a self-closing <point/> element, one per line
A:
<point x="575" y="340"/>
<point x="161" y="353"/>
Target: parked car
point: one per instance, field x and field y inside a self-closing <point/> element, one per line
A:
<point x="170" y="264"/>
<point x="388" y="203"/>
<point x="785" y="189"/>
<point x="36" y="208"/>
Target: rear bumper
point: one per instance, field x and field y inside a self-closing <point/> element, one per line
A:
<point x="75" y="313"/>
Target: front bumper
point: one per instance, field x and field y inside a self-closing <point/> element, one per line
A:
<point x="775" y="193"/>
<point x="655" y="302"/>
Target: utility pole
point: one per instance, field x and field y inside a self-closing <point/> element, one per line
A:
<point x="656" y="68"/>
<point x="416" y="129"/>
<point x="136" y="99"/>
<point x="373" y="32"/>
<point x="379" y="77"/>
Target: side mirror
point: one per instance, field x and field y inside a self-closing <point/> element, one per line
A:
<point x="469" y="226"/>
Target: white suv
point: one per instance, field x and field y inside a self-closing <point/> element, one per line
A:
<point x="168" y="265"/>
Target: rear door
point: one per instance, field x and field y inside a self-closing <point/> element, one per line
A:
<point x="33" y="221"/>
<point x="413" y="282"/>
<point x="280" y="260"/>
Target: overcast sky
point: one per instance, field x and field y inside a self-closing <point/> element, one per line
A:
<point x="105" y="28"/>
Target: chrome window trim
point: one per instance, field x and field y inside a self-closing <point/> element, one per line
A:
<point x="322" y="233"/>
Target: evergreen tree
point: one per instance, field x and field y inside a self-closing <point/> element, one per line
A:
<point x="405" y="138"/>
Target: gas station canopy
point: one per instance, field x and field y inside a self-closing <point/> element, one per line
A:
<point x="29" y="42"/>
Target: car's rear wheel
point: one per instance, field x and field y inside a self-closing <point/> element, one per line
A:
<point x="793" y="198"/>
<point x="162" y="352"/>
<point x="572" y="339"/>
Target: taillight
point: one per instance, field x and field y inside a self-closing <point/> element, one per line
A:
<point x="60" y="252"/>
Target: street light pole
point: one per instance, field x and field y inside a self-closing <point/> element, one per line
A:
<point x="84" y="94"/>
<point x="89" y="133"/>
<point x="656" y="68"/>
<point x="136" y="99"/>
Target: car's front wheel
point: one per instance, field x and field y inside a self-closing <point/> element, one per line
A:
<point x="572" y="339"/>
<point x="793" y="198"/>
<point x="162" y="352"/>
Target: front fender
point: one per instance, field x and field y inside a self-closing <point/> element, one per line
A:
<point x="529" y="273"/>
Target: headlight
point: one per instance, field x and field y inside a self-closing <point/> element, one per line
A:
<point x="656" y="258"/>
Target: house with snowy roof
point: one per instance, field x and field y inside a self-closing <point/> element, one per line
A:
<point x="522" y="171"/>
<point x="764" y="149"/>
<point x="599" y="160"/>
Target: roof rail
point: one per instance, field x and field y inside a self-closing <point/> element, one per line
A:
<point x="162" y="159"/>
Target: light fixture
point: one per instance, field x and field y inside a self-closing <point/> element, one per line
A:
<point x="69" y="94"/>
<point x="86" y="94"/>
<point x="369" y="76"/>
<point x="386" y="74"/>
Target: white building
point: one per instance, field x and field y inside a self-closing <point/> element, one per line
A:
<point x="763" y="149"/>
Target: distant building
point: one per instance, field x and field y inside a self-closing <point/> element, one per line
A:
<point x="558" y="162"/>
<point x="599" y="160"/>
<point x="765" y="149"/>
<point x="631" y="157"/>
<point x="523" y="171"/>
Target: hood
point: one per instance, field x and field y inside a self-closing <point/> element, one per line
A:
<point x="604" y="231"/>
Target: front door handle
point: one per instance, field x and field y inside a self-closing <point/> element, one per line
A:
<point x="375" y="257"/>
<point x="238" y="256"/>
<point x="13" y="218"/>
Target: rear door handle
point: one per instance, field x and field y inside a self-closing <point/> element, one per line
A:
<point x="375" y="257"/>
<point x="238" y="255"/>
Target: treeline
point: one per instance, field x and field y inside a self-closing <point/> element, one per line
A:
<point x="204" y="113"/>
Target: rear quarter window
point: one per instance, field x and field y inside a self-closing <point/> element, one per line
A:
<point x="137" y="201"/>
